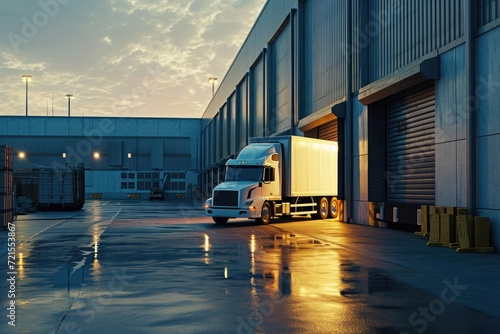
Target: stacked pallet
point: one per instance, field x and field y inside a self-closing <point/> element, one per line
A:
<point x="6" y="187"/>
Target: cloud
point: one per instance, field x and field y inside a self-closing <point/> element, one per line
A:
<point x="120" y="57"/>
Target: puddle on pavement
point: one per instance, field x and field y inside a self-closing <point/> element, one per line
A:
<point x="292" y="264"/>
<point x="290" y="240"/>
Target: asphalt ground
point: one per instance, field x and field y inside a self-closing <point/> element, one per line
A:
<point x="471" y="280"/>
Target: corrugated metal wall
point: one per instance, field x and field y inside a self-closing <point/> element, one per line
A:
<point x="279" y="82"/>
<point x="487" y="11"/>
<point x="217" y="140"/>
<point x="211" y="146"/>
<point x="242" y="107"/>
<point x="324" y="56"/>
<point x="233" y="116"/>
<point x="257" y="99"/>
<point x="403" y="31"/>
<point x="157" y="154"/>
<point x="226" y="132"/>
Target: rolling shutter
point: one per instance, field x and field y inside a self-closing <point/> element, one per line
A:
<point x="329" y="131"/>
<point x="411" y="146"/>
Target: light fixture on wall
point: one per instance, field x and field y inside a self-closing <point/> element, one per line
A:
<point x="64" y="155"/>
<point x="21" y="155"/>
<point x="129" y="155"/>
<point x="97" y="155"/>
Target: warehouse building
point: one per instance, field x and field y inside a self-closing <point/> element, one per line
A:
<point x="410" y="89"/>
<point x="123" y="157"/>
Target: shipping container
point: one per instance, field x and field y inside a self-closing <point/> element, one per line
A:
<point x="52" y="189"/>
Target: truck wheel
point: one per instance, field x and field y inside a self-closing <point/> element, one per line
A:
<point x="322" y="210"/>
<point x="220" y="220"/>
<point x="265" y="214"/>
<point x="334" y="210"/>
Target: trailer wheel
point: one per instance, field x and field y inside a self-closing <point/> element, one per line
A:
<point x="220" y="220"/>
<point x="334" y="209"/>
<point x="265" y="214"/>
<point x="322" y="210"/>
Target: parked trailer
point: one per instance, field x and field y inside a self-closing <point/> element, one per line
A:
<point x="278" y="176"/>
<point x="53" y="189"/>
<point x="61" y="188"/>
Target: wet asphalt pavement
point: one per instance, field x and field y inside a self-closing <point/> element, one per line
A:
<point x="162" y="267"/>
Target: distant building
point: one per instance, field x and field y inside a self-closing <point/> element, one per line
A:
<point x="123" y="157"/>
<point x="410" y="89"/>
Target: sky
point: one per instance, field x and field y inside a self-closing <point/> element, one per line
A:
<point x="118" y="58"/>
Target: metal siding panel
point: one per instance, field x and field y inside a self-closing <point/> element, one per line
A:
<point x="232" y="123"/>
<point x="115" y="153"/>
<point x="404" y="32"/>
<point x="257" y="99"/>
<point x="79" y="150"/>
<point x="411" y="146"/>
<point x="208" y="145"/>
<point x="225" y="133"/>
<point x="217" y="137"/>
<point x="157" y="154"/>
<point x="178" y="163"/>
<point x="219" y="134"/>
<point x="279" y="93"/>
<point x="177" y="145"/>
<point x="202" y="151"/>
<point x="325" y="65"/>
<point x="213" y="142"/>
<point x="355" y="49"/>
<point x="487" y="11"/>
<point x="242" y="113"/>
<point x="307" y="49"/>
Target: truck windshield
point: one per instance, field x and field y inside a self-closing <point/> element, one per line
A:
<point x="244" y="173"/>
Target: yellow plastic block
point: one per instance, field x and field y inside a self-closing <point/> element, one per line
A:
<point x="424" y="215"/>
<point x="482" y="232"/>
<point x="448" y="232"/>
<point x="450" y="210"/>
<point x="463" y="225"/>
<point x="434" y="228"/>
<point x="433" y="210"/>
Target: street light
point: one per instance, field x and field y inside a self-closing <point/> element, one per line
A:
<point x="69" y="96"/>
<point x="213" y="81"/>
<point x="26" y="78"/>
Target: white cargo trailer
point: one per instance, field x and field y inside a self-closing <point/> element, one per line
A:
<point x="278" y="176"/>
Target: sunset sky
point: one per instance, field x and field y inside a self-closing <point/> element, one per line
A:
<point x="120" y="58"/>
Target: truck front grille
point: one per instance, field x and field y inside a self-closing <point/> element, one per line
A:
<point x="225" y="198"/>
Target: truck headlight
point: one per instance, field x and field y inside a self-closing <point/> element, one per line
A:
<point x="208" y="203"/>
<point x="248" y="205"/>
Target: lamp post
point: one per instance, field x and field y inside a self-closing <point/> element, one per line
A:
<point x="26" y="78"/>
<point x="213" y="81"/>
<point x="69" y="96"/>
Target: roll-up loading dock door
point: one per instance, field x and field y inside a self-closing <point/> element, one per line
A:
<point x="411" y="146"/>
<point x="327" y="131"/>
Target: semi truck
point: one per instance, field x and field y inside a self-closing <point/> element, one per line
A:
<point x="278" y="177"/>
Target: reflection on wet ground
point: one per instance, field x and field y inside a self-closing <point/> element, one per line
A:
<point x="103" y="271"/>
